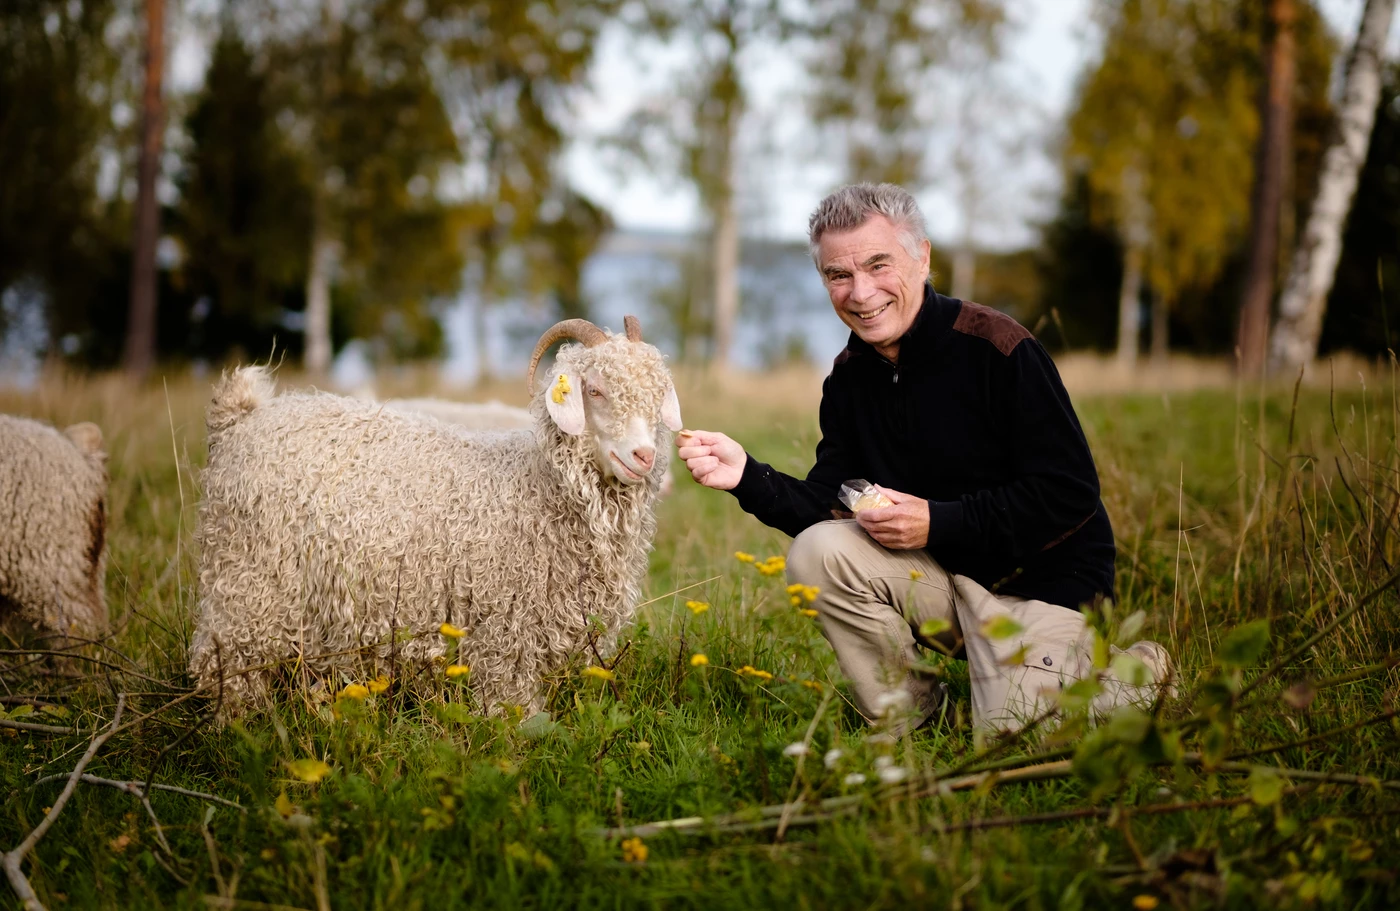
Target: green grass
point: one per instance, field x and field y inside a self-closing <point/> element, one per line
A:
<point x="1220" y="520"/>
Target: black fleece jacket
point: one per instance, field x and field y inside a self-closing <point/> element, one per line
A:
<point x="973" y="418"/>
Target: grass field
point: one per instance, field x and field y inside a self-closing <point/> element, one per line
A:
<point x="1274" y="780"/>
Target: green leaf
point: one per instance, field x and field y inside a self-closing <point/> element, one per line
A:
<point x="454" y="713"/>
<point x="1215" y="743"/>
<point x="931" y="629"/>
<point x="1130" y="670"/>
<point x="1265" y="786"/>
<point x="1131" y="626"/>
<point x="1001" y="627"/>
<point x="538" y="726"/>
<point x="1129" y="725"/>
<point x="57" y="711"/>
<point x="1244" y="644"/>
<point x="20" y="711"/>
<point x="1080" y="694"/>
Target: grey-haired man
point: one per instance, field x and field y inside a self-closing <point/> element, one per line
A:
<point x="960" y="417"/>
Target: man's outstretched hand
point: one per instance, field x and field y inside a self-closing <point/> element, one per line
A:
<point x="714" y="459"/>
<point x="903" y="526"/>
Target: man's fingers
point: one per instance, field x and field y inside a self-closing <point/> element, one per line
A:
<point x="702" y="465"/>
<point x="691" y="451"/>
<point x="698" y="437"/>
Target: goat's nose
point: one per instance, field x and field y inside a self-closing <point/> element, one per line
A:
<point x="645" y="456"/>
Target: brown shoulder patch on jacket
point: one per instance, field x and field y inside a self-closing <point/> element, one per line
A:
<point x="993" y="325"/>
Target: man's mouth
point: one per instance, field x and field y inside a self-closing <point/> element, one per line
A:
<point x="872" y="315"/>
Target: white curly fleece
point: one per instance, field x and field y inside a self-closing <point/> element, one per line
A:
<point x="53" y="525"/>
<point x="327" y="522"/>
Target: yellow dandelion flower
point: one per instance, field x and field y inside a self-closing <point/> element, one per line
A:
<point x="810" y="592"/>
<point x="1146" y="902"/>
<point x="743" y="557"/>
<point x="808" y="612"/>
<point x="634" y="851"/>
<point x="812" y="685"/>
<point x="755" y="673"/>
<point x="795" y="588"/>
<point x="699" y="660"/>
<point x="600" y="673"/>
<point x="915" y="575"/>
<point x="451" y="632"/>
<point x="796" y="600"/>
<point x="697" y="607"/>
<point x="355" y="691"/>
<point x="457" y="670"/>
<point x="561" y="389"/>
<point x="378" y="684"/>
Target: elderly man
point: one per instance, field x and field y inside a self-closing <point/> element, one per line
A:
<point x="960" y="417"/>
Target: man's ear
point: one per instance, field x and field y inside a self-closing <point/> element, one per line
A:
<point x="564" y="400"/>
<point x="671" y="410"/>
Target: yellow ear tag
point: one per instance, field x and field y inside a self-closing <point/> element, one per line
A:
<point x="561" y="389"/>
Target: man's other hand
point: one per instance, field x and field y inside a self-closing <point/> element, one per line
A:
<point x="903" y="526"/>
<point x="715" y="460"/>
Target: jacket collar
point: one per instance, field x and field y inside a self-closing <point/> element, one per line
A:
<point x="936" y="316"/>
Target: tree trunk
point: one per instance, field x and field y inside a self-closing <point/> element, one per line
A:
<point x="140" y="349"/>
<point x="964" y="271"/>
<point x="1161" y="329"/>
<point x="316" y="356"/>
<point x="1136" y="232"/>
<point x="726" y="275"/>
<point x="1304" y="300"/>
<point x="1130" y="309"/>
<point x="1267" y="203"/>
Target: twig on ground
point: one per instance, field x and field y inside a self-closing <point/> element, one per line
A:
<point x="56" y="653"/>
<point x="12" y="859"/>
<point x="38" y="728"/>
<point x="134" y="788"/>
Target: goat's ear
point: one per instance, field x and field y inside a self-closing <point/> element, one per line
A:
<point x="671" y="409"/>
<point x="564" y="399"/>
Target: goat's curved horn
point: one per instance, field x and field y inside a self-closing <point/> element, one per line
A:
<point x="580" y="329"/>
<point x="634" y="328"/>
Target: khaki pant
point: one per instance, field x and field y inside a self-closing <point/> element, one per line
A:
<point x="873" y="602"/>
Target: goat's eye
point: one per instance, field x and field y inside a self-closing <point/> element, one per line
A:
<point x="595" y="393"/>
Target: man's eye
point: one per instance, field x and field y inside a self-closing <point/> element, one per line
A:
<point x="877" y="267"/>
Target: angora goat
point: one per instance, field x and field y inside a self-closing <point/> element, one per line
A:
<point x="53" y="525"/>
<point x="328" y="523"/>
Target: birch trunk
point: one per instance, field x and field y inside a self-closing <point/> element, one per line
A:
<point x="964" y="271"/>
<point x="726" y="276"/>
<point x="139" y="352"/>
<point x="1130" y="308"/>
<point x="316" y="356"/>
<point x="1314" y="266"/>
<point x="1161" y="329"/>
<point x="1136" y="234"/>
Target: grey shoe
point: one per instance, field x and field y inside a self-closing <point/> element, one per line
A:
<point x="1159" y="663"/>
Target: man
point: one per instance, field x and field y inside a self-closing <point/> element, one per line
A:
<point x="960" y="417"/>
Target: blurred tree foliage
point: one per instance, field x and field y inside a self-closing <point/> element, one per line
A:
<point x="1173" y="98"/>
<point x="244" y="212"/>
<point x="874" y="76"/>
<point x="60" y="82"/>
<point x="1363" y="310"/>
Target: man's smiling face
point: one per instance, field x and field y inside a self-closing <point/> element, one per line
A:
<point x="875" y="286"/>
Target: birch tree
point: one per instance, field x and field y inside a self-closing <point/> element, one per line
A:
<point x="140" y="350"/>
<point x="1314" y="265"/>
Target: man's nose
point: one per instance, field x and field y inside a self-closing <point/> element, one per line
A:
<point x="644" y="456"/>
<point x="862" y="286"/>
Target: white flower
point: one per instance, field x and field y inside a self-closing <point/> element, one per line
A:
<point x="832" y="757"/>
<point x="893" y="774"/>
<point x="853" y="779"/>
<point x="795" y="749"/>
<point x="891" y="699"/>
<point x="882" y="763"/>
